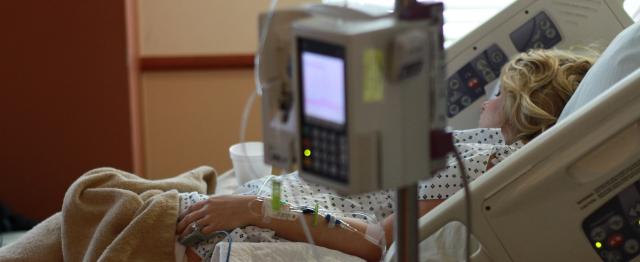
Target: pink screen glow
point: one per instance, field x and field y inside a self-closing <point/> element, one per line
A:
<point x="323" y="82"/>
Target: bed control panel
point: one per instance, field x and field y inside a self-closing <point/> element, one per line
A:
<point x="537" y="32"/>
<point x="467" y="84"/>
<point x="614" y="229"/>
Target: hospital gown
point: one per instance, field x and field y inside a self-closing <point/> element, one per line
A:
<point x="476" y="147"/>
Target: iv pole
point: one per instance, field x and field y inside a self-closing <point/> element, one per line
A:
<point x="406" y="223"/>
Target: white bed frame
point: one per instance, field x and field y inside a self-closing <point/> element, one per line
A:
<point x="526" y="208"/>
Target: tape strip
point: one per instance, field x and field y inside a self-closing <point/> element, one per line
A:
<point x="374" y="234"/>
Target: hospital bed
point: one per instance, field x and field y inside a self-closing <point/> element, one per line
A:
<point x="572" y="194"/>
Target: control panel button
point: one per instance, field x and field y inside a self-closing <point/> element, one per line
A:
<point x="465" y="101"/>
<point x="598" y="234"/>
<point x="631" y="246"/>
<point x="473" y="83"/>
<point x="454" y="84"/>
<point x="453" y="110"/>
<point x="616" y="240"/>
<point x="616" y="222"/>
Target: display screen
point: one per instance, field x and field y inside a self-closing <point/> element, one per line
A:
<point x="322" y="77"/>
<point x="323" y="82"/>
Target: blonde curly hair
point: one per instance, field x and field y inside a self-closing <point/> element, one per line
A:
<point x="537" y="85"/>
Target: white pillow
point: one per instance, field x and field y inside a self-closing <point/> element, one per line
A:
<point x="620" y="58"/>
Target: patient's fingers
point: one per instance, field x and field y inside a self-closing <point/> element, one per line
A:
<point x="190" y="218"/>
<point x="201" y="222"/>
<point x="197" y="206"/>
<point x="209" y="229"/>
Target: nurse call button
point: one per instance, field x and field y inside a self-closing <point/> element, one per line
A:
<point x="631" y="246"/>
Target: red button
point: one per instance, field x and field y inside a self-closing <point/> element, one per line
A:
<point x="472" y="83"/>
<point x="615" y="240"/>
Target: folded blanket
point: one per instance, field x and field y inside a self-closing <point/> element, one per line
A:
<point x="112" y="215"/>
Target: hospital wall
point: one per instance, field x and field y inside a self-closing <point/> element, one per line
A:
<point x="193" y="107"/>
<point x="73" y="98"/>
<point x="191" y="117"/>
<point x="66" y="74"/>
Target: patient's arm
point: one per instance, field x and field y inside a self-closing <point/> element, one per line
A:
<point x="334" y="238"/>
<point x="230" y="211"/>
<point x="424" y="206"/>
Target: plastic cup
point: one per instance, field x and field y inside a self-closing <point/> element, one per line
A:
<point x="248" y="161"/>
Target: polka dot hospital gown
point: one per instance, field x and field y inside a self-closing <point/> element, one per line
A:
<point x="475" y="146"/>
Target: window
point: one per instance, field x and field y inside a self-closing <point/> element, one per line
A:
<point x="633" y="8"/>
<point x="462" y="16"/>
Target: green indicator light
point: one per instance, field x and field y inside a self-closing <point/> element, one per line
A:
<point x="307" y="152"/>
<point x="598" y="244"/>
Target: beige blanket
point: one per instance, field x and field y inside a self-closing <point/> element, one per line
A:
<point x="112" y="215"/>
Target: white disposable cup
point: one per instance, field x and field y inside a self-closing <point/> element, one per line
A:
<point x="248" y="161"/>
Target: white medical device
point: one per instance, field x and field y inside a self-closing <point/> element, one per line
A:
<point x="362" y="109"/>
<point x="474" y="62"/>
<point x="358" y="102"/>
<point x="274" y="76"/>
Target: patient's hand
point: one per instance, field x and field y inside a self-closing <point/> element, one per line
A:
<point x="218" y="213"/>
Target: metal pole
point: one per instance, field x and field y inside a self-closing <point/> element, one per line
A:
<point x="402" y="5"/>
<point x="406" y="224"/>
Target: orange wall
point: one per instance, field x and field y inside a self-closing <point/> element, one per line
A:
<point x="202" y="27"/>
<point x="192" y="117"/>
<point x="65" y="98"/>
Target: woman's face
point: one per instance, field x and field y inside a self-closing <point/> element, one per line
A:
<point x="492" y="115"/>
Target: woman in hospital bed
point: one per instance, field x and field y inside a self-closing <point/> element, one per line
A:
<point x="535" y="86"/>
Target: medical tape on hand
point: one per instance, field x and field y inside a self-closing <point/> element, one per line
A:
<point x="284" y="212"/>
<point x="275" y="194"/>
<point x="331" y="220"/>
<point x="374" y="234"/>
<point x="315" y="215"/>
